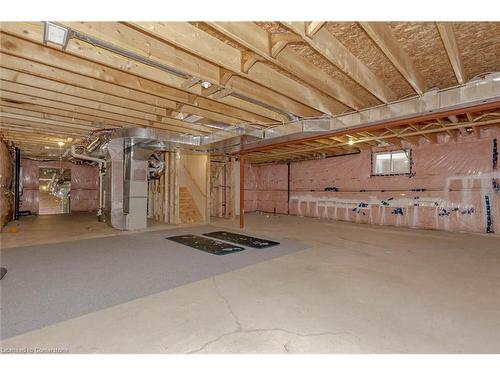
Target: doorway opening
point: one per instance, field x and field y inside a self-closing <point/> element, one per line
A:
<point x="54" y="185"/>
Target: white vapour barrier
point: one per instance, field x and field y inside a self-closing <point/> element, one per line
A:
<point x="452" y="187"/>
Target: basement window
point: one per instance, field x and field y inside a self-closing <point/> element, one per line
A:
<point x="391" y="163"/>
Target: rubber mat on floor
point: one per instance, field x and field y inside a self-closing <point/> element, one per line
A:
<point x="206" y="244"/>
<point x="241" y="239"/>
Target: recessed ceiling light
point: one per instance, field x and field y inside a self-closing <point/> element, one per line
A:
<point x="60" y="143"/>
<point x="350" y="142"/>
<point x="205" y="84"/>
<point x="55" y="34"/>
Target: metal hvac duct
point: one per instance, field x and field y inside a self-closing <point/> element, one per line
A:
<point x="126" y="181"/>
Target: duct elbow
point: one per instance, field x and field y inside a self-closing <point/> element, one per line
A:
<point x="76" y="155"/>
<point x="156" y="167"/>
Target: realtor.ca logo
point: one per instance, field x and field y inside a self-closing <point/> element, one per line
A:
<point x="33" y="351"/>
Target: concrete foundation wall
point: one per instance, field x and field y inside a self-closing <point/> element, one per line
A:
<point x="450" y="188"/>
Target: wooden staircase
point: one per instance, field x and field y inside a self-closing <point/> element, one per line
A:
<point x="188" y="212"/>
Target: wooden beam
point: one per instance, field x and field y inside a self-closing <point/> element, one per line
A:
<point x="308" y="95"/>
<point x="384" y="38"/>
<point x="190" y="82"/>
<point x="431" y="137"/>
<point x="10" y="75"/>
<point x="38" y="128"/>
<point x="210" y="90"/>
<point x="88" y="60"/>
<point x="222" y="94"/>
<point x="330" y="48"/>
<point x="68" y="119"/>
<point x="27" y="94"/>
<point x="224" y="76"/>
<point x="395" y="141"/>
<point x="36" y="141"/>
<point x="199" y="43"/>
<point x="451" y="133"/>
<point x="450" y="44"/>
<point x="47" y="105"/>
<point x="385" y="124"/>
<point x="256" y="40"/>
<point x="247" y="60"/>
<point x="145" y="118"/>
<point x="155" y="112"/>
<point x="278" y="41"/>
<point x="149" y="102"/>
<point x="313" y="27"/>
<point x="389" y="137"/>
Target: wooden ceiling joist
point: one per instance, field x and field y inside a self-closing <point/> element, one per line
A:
<point x="50" y="85"/>
<point x="93" y="62"/>
<point x="178" y="36"/>
<point x="257" y="40"/>
<point x="108" y="89"/>
<point x="313" y="27"/>
<point x="138" y="117"/>
<point x="76" y="109"/>
<point x="186" y="36"/>
<point x="14" y="98"/>
<point x="38" y="128"/>
<point x="331" y="49"/>
<point x="450" y="43"/>
<point x="383" y="37"/>
<point x="64" y="120"/>
<point x="186" y="77"/>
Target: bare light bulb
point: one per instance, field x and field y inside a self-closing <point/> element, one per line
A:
<point x="205" y="84"/>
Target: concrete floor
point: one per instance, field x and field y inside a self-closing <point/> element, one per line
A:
<point x="357" y="289"/>
<point x="36" y="230"/>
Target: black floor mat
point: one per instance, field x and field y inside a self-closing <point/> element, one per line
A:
<point x="241" y="239"/>
<point x="3" y="271"/>
<point x="206" y="244"/>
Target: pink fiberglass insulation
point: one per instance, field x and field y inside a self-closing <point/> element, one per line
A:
<point x="450" y="188"/>
<point x="251" y="188"/>
<point x="6" y="176"/>
<point x="84" y="185"/>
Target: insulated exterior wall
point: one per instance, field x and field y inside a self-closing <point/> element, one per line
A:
<point x="84" y="185"/>
<point x="252" y="188"/>
<point x="6" y="176"/>
<point x="453" y="187"/>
